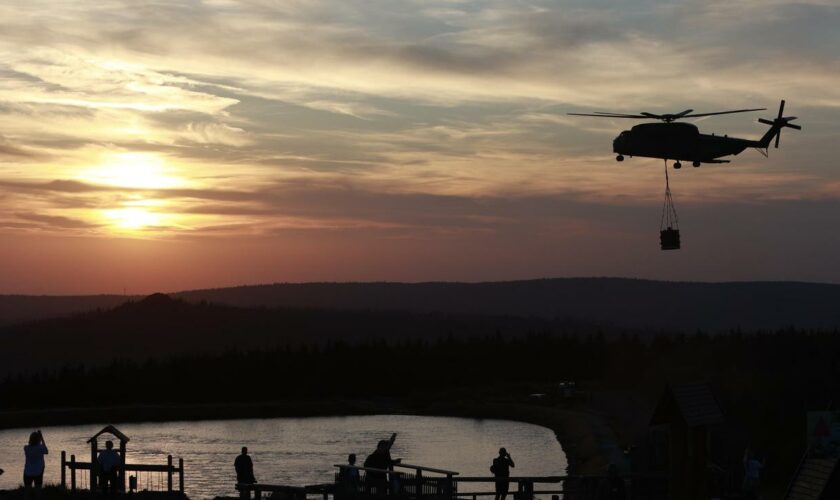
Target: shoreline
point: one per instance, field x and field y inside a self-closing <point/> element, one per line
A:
<point x="578" y="430"/>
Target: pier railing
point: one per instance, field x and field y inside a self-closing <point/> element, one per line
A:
<point x="158" y="477"/>
<point x="413" y="482"/>
<point x="575" y="487"/>
<point x="405" y="481"/>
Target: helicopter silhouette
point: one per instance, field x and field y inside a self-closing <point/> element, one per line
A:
<point x="672" y="140"/>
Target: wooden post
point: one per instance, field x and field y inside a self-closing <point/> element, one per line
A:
<point x="93" y="475"/>
<point x="169" y="473"/>
<point x="528" y="490"/>
<point x="121" y="471"/>
<point x="72" y="472"/>
<point x="418" y="477"/>
<point x="447" y="487"/>
<point x="181" y="475"/>
<point x="63" y="472"/>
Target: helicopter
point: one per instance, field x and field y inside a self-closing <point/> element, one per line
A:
<point x="672" y="140"/>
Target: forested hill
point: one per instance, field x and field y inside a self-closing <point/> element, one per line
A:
<point x="19" y="308"/>
<point x="605" y="301"/>
<point x="159" y="327"/>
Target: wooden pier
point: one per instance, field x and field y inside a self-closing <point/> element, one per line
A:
<point x="415" y="482"/>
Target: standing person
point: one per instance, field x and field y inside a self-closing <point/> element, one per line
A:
<point x="380" y="459"/>
<point x="348" y="477"/>
<point x="752" y="474"/>
<point x="244" y="468"/>
<point x="501" y="469"/>
<point x="33" y="470"/>
<point x="109" y="463"/>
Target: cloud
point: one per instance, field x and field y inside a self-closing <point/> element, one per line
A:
<point x="7" y="149"/>
<point x="55" y="221"/>
<point x="397" y="119"/>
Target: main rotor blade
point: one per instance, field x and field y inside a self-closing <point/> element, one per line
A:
<point x="781" y="108"/>
<point x="797" y="127"/>
<point x="723" y="112"/>
<point x="607" y="116"/>
<point x="778" y="136"/>
<point x="684" y="113"/>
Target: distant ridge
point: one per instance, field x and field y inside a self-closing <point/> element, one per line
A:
<point x="20" y="308"/>
<point x="623" y="302"/>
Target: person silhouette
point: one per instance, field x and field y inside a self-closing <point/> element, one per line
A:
<point x="109" y="463"/>
<point x="501" y="469"/>
<point x="380" y="459"/>
<point x="244" y="468"/>
<point x="752" y="474"/>
<point x="33" y="469"/>
<point x="348" y="477"/>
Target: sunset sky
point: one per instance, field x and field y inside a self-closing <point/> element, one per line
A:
<point x="152" y="146"/>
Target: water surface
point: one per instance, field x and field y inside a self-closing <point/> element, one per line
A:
<point x="299" y="451"/>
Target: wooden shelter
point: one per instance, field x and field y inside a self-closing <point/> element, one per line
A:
<point x="689" y="411"/>
<point x="94" y="453"/>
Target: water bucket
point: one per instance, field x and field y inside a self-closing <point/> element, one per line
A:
<point x="669" y="239"/>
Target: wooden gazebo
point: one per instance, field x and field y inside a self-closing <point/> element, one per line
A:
<point x="94" y="453"/>
<point x="689" y="410"/>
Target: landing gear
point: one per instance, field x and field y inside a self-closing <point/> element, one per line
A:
<point x="695" y="164"/>
<point x="619" y="158"/>
<point x="677" y="165"/>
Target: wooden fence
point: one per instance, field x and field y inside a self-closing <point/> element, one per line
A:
<point x="167" y="471"/>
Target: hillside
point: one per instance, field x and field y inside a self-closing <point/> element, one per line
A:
<point x="159" y="327"/>
<point x="20" y="308"/>
<point x="604" y="301"/>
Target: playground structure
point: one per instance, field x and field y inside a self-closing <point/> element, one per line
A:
<point x="85" y="475"/>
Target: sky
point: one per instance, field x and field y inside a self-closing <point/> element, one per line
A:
<point x="160" y="146"/>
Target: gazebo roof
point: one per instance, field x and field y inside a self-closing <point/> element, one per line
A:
<point x="693" y="404"/>
<point x="110" y="429"/>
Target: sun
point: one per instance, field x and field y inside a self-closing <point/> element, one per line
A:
<point x="132" y="218"/>
<point x="136" y="183"/>
<point x="132" y="170"/>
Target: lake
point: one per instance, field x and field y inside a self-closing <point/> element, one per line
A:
<point x="298" y="451"/>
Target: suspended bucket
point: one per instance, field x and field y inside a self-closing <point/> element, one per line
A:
<point x="669" y="239"/>
<point x="669" y="225"/>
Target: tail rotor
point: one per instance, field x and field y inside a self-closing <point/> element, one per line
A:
<point x="780" y="122"/>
